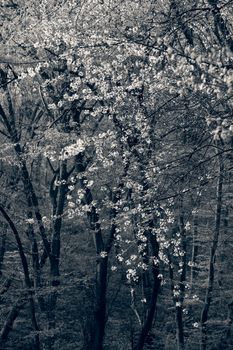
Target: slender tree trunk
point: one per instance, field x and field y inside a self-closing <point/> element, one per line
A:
<point x="150" y="316"/>
<point x="215" y="239"/>
<point x="98" y="327"/>
<point x="31" y="196"/>
<point x="11" y="317"/>
<point x="147" y="325"/>
<point x="55" y="251"/>
<point x="194" y="251"/>
<point x="100" y="304"/>
<point x="35" y="254"/>
<point x="10" y="126"/>
<point x="180" y="299"/>
<point x="229" y="323"/>
<point x="2" y="248"/>
<point x="99" y="315"/>
<point x="26" y="277"/>
<point x="179" y="328"/>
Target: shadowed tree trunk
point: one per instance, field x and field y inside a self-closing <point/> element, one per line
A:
<point x="11" y="317"/>
<point x="99" y="320"/>
<point x="27" y="280"/>
<point x="2" y="248"/>
<point x="214" y="246"/>
<point x="58" y="209"/>
<point x="147" y="325"/>
<point x="194" y="251"/>
<point x="180" y="299"/>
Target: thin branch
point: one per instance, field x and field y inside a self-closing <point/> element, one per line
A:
<point x="6" y="60"/>
<point x="51" y="166"/>
<point x="45" y="103"/>
<point x="3" y="133"/>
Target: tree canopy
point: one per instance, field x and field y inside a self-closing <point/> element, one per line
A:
<point x="116" y="137"/>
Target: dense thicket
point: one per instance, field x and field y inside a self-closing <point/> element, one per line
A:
<point x="116" y="137"/>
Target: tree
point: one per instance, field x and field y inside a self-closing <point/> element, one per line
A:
<point x="113" y="116"/>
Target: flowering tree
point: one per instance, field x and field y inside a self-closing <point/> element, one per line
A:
<point x="113" y="116"/>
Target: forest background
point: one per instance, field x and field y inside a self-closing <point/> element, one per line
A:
<point x="116" y="136"/>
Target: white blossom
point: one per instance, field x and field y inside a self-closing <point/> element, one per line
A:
<point x="72" y="150"/>
<point x="30" y="221"/>
<point x="103" y="254"/>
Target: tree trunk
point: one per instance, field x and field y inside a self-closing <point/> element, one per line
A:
<point x="211" y="275"/>
<point x="229" y="323"/>
<point x="11" y="317"/>
<point x="153" y="302"/>
<point x="26" y="277"/>
<point x="31" y="196"/>
<point x="100" y="304"/>
<point x="2" y="248"/>
<point x="180" y="299"/>
<point x="194" y="252"/>
<point x="55" y="250"/>
<point x="99" y="315"/>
